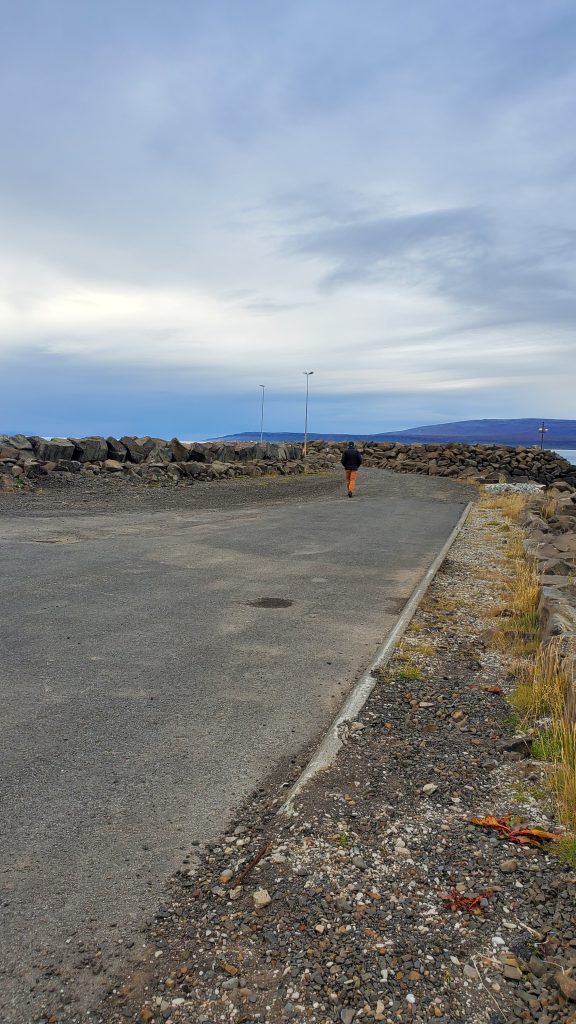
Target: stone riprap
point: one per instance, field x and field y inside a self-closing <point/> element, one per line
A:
<point x="26" y="459"/>
<point x="550" y="524"/>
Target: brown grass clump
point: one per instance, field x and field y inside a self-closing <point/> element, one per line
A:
<point x="543" y="675"/>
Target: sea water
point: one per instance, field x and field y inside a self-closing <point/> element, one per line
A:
<point x="567" y="453"/>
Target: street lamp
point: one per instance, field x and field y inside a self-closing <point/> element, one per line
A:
<point x="307" y="374"/>
<point x="263" y="386"/>
<point x="542" y="430"/>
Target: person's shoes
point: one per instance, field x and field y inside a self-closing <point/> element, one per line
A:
<point x="350" y="495"/>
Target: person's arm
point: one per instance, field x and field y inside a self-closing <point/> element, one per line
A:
<point x="359" y="460"/>
<point x="342" y="460"/>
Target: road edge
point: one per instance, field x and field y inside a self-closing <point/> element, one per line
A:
<point x="335" y="736"/>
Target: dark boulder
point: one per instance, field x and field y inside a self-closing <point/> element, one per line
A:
<point x="116" y="450"/>
<point x="90" y="449"/>
<point x="138" y="448"/>
<point x="53" y="450"/>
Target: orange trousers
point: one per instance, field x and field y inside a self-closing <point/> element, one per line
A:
<point x="351" y="479"/>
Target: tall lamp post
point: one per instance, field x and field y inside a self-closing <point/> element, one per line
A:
<point x="542" y="430"/>
<point x="263" y="386"/>
<point x="307" y="374"/>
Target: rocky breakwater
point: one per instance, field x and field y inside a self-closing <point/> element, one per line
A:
<point x="27" y="460"/>
<point x="550" y="524"/>
<point x="485" y="463"/>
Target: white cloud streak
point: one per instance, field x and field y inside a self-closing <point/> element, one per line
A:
<point x="383" y="193"/>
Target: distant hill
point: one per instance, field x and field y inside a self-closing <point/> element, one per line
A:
<point x="560" y="433"/>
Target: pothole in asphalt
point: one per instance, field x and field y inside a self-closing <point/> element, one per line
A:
<point x="270" y="602"/>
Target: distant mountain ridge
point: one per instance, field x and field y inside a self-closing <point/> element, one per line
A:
<point x="560" y="433"/>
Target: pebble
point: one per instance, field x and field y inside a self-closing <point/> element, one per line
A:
<point x="507" y="867"/>
<point x="512" y="973"/>
<point x="567" y="985"/>
<point x="261" y="898"/>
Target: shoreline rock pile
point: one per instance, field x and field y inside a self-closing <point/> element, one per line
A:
<point x="550" y="524"/>
<point x="24" y="460"/>
<point x="486" y="463"/>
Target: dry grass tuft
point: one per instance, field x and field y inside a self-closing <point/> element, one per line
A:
<point x="542" y="673"/>
<point x="549" y="508"/>
<point x="510" y="504"/>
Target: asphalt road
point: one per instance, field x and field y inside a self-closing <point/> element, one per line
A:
<point x="147" y="689"/>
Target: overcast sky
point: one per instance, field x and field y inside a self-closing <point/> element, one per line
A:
<point x="200" y="196"/>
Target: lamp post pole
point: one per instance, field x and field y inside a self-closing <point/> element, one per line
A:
<point x="542" y="430"/>
<point x="263" y="386"/>
<point x="307" y="374"/>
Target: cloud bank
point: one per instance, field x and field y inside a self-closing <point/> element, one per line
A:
<point x="201" y="198"/>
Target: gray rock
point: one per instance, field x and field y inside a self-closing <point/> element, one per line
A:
<point x="138" y="448"/>
<point x="90" y="449"/>
<point x="509" y="866"/>
<point x="567" y="985"/>
<point x="180" y="450"/>
<point x="18" y="441"/>
<point x="54" y="450"/>
<point x="512" y="973"/>
<point x="116" y="450"/>
<point x="537" y="966"/>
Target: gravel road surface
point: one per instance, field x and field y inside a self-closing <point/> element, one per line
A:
<point x="158" y="666"/>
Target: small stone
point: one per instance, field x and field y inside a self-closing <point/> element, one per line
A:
<point x="235" y="893"/>
<point x="226" y="876"/>
<point x="229" y="968"/>
<point x="509" y="866"/>
<point x="512" y="973"/>
<point x="471" y="972"/>
<point x="429" y="788"/>
<point x="536" y="966"/>
<point x="261" y="898"/>
<point x="347" y="1015"/>
<point x="567" y="985"/>
<point x="358" y="862"/>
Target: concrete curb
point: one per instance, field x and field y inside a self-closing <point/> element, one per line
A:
<point x="335" y="736"/>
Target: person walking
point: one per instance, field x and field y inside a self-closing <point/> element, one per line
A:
<point x="351" y="460"/>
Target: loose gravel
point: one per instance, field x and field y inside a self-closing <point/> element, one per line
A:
<point x="349" y="910"/>
<point x="527" y="488"/>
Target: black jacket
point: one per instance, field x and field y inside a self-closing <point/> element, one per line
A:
<point x="351" y="459"/>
